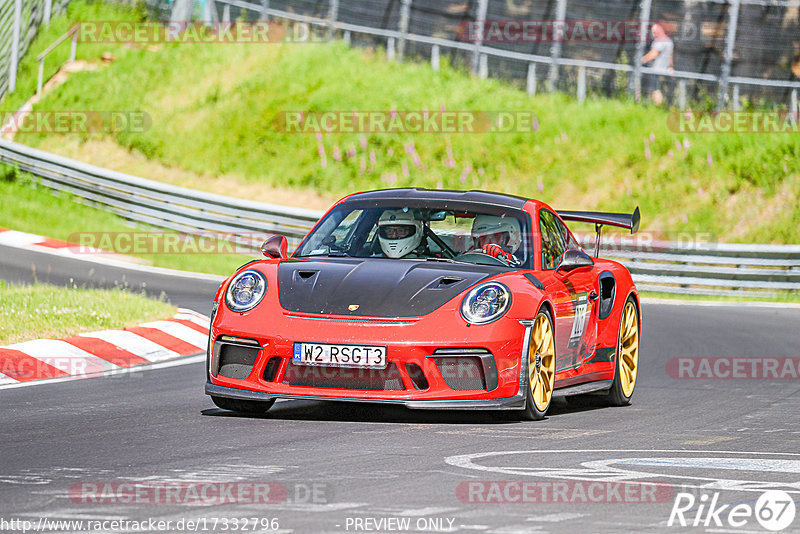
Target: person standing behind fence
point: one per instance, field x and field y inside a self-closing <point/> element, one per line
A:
<point x="661" y="54"/>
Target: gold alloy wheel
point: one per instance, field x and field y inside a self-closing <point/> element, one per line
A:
<point x="628" y="352"/>
<point x="542" y="362"/>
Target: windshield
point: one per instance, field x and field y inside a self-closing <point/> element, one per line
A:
<point x="486" y="235"/>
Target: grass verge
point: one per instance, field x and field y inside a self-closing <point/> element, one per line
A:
<point x="46" y="311"/>
<point x="28" y="207"/>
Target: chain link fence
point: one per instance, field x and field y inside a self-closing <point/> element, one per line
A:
<point x="19" y="22"/>
<point x="738" y="54"/>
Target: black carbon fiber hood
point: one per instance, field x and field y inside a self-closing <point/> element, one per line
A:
<point x="378" y="287"/>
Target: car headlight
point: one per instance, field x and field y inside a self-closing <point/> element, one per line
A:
<point x="486" y="303"/>
<point x="245" y="291"/>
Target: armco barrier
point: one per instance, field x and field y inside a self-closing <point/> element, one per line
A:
<point x="706" y="268"/>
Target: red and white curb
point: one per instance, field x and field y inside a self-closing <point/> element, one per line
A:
<point x="14" y="238"/>
<point x="105" y="353"/>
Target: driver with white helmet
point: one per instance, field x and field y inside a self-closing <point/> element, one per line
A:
<point x="499" y="237"/>
<point x="399" y="233"/>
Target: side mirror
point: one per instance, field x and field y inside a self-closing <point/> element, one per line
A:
<point x="573" y="259"/>
<point x="275" y="247"/>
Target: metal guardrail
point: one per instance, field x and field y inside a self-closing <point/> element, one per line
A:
<point x="707" y="268"/>
<point x="155" y="203"/>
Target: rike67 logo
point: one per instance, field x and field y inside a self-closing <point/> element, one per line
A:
<point x="774" y="510"/>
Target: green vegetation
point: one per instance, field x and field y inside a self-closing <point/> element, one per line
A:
<point x="747" y="297"/>
<point x="27" y="73"/>
<point x="45" y="311"/>
<point x="214" y="106"/>
<point x="28" y="207"/>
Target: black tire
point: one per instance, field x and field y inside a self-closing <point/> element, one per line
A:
<point x="616" y="395"/>
<point x="243" y="406"/>
<point x="531" y="412"/>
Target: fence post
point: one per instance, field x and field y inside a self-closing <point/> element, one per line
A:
<point x="40" y="79"/>
<point x="12" y="66"/>
<point x="735" y="97"/>
<point x="265" y="10"/>
<point x="405" y="12"/>
<point x="793" y="106"/>
<point x="435" y="58"/>
<point x="531" y="85"/>
<point x="48" y="7"/>
<point x="390" y="49"/>
<point x="347" y="38"/>
<point x="333" y="14"/>
<point x="483" y="69"/>
<point x="730" y="41"/>
<point x="682" y="94"/>
<point x="483" y="5"/>
<point x="555" y="50"/>
<point x="644" y="18"/>
<point x="210" y="12"/>
<point x="73" y="47"/>
<point x="581" y="84"/>
<point x="226" y="14"/>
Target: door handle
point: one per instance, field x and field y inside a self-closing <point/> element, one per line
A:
<point x="593" y="296"/>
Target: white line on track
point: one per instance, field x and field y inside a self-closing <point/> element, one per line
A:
<point x="125" y="265"/>
<point x="146" y="367"/>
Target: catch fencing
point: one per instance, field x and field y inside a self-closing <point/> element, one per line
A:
<point x="20" y="20"/>
<point x="737" y="54"/>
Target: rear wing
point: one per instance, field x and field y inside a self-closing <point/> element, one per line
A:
<point x="599" y="218"/>
<point x="623" y="220"/>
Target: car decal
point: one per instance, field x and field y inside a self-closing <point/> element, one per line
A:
<point x="581" y="315"/>
<point x="602" y="355"/>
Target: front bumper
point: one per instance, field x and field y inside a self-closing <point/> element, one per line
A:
<point x="516" y="402"/>
<point x="272" y="375"/>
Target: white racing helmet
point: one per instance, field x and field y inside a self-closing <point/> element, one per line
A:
<point x="399" y="233"/>
<point x="503" y="231"/>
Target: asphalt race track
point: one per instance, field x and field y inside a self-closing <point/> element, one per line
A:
<point x="337" y="467"/>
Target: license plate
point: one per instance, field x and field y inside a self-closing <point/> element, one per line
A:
<point x="367" y="356"/>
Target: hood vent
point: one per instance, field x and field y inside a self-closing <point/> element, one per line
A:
<point x="445" y="282"/>
<point x="305" y="276"/>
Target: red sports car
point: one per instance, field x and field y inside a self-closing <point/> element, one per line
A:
<point x="432" y="300"/>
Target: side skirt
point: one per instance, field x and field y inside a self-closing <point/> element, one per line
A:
<point x="586" y="387"/>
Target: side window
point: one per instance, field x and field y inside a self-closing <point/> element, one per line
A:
<point x="553" y="239"/>
<point x="343" y="232"/>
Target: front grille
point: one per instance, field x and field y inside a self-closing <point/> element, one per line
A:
<point x="344" y="377"/>
<point x="236" y="361"/>
<point x="462" y="373"/>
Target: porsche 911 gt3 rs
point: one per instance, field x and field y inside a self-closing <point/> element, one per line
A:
<point x="433" y="300"/>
